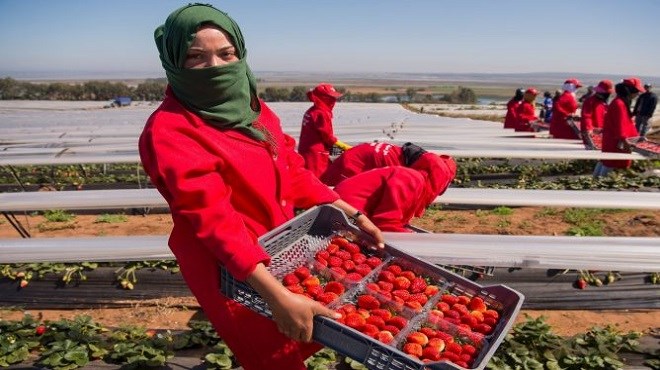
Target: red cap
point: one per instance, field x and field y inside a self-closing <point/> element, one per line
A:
<point x="327" y="89"/>
<point x="634" y="82"/>
<point x="573" y="81"/>
<point x="532" y="91"/>
<point x="604" y="87"/>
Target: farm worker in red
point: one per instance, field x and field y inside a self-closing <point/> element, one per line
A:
<point x="229" y="174"/>
<point x="565" y="107"/>
<point x="511" y="105"/>
<point x="392" y="196"/>
<point x="525" y="112"/>
<point x="367" y="156"/>
<point x="619" y="126"/>
<point x="316" y="134"/>
<point x="593" y="112"/>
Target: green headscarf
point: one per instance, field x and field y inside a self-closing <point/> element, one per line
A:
<point x="221" y="94"/>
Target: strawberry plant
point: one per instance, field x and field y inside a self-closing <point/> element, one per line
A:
<point x="220" y="357"/>
<point x="17" y="339"/>
<point x="70" y="344"/>
<point x="201" y="334"/>
<point x="126" y="274"/>
<point x="137" y="348"/>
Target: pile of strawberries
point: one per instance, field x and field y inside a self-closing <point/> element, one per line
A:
<point x="403" y="287"/>
<point x="430" y="344"/>
<point x="369" y="316"/>
<point x="469" y="313"/>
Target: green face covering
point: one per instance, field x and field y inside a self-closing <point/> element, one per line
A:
<point x="223" y="95"/>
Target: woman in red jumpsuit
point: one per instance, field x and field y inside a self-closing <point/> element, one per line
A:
<point x="593" y="112"/>
<point x="392" y="196"/>
<point x="564" y="107"/>
<point x="619" y="126"/>
<point x="229" y="174"/>
<point x="316" y="134"/>
<point x="525" y="112"/>
<point x="367" y="156"/>
<point x="511" y="106"/>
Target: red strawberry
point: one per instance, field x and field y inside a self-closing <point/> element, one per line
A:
<point x="429" y="332"/>
<point x="370" y="330"/>
<point x="431" y="290"/>
<point x="453" y="348"/>
<point x="477" y="304"/>
<point x="478" y="315"/>
<point x="460" y="363"/>
<point x="290" y="279"/>
<point x="40" y="330"/>
<point x="332" y="248"/>
<point x="449" y="356"/>
<point x="449" y="299"/>
<point x="310" y="282"/>
<point x="465" y="357"/>
<point x="446" y="337"/>
<point x="343" y="255"/>
<point x="414" y="305"/>
<point x="385" y="336"/>
<point x="386" y="286"/>
<point x="377" y="321"/>
<point x="386" y="276"/>
<point x="483" y="328"/>
<point x="320" y="263"/>
<point x="359" y="258"/>
<point x="347" y="308"/>
<point x="431" y="353"/>
<point x="470" y="320"/>
<point x="383" y="313"/>
<point x="338" y="272"/>
<point x="297" y="288"/>
<point x="334" y="287"/>
<point x="324" y="254"/>
<point x="302" y="272"/>
<point x="368" y="302"/>
<point x="401" y="282"/>
<point x="374" y="262"/>
<point x="417" y="285"/>
<point x="340" y="241"/>
<point x="452" y="314"/>
<point x="372" y="288"/>
<point x="348" y="265"/>
<point x="398" y="322"/>
<point x="463" y="299"/>
<point x="581" y="283"/>
<point x="469" y="349"/>
<point x="335" y="261"/>
<point x="491" y="313"/>
<point x="355" y="320"/>
<point x="417" y="337"/>
<point x="396" y="269"/>
<point x="353" y="277"/>
<point x="327" y="297"/>
<point x="443" y="306"/>
<point x="314" y="291"/>
<point x="352" y="248"/>
<point x="363" y="269"/>
<point x="437" y="342"/>
<point x="392" y="329"/>
<point x="418" y="297"/>
<point x="403" y="294"/>
<point x="489" y="321"/>
<point x="460" y="308"/>
<point x="413" y="349"/>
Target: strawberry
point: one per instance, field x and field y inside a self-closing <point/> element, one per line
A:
<point x="491" y="313"/>
<point x="378" y="321"/>
<point x="335" y="261"/>
<point x="347" y="308"/>
<point x="25" y="283"/>
<point x="340" y="241"/>
<point x="370" y="330"/>
<point x="327" y="297"/>
<point x="352" y="248"/>
<point x="449" y="299"/>
<point x="359" y="258"/>
<point x="452" y="314"/>
<point x="417" y="285"/>
<point x="469" y="349"/>
<point x="401" y="282"/>
<point x="477" y="304"/>
<point x="290" y="279"/>
<point x="479" y="316"/>
<point x="398" y="322"/>
<point x="460" y="308"/>
<point x="383" y="313"/>
<point x="297" y="288"/>
<point x="431" y="290"/>
<point x="334" y="287"/>
<point x="355" y="321"/>
<point x="386" y="275"/>
<point x="436" y="342"/>
<point x="385" y="336"/>
<point x="460" y="363"/>
<point x="449" y="356"/>
<point x="413" y="305"/>
<point x="320" y="263"/>
<point x="353" y="277"/>
<point x="314" y="291"/>
<point x="453" y="347"/>
<point x="343" y="255"/>
<point x="413" y="349"/>
<point x="40" y="330"/>
<point x="407" y="274"/>
<point x="386" y="286"/>
<point x="483" y="328"/>
<point x="372" y="288"/>
<point x="429" y="332"/>
<point x="348" y="265"/>
<point x="338" y="272"/>
<point x="392" y="329"/>
<point x="363" y="269"/>
<point x="374" y="262"/>
<point x="431" y="353"/>
<point x="489" y="321"/>
<point x="396" y="269"/>
<point x="465" y="357"/>
<point x="324" y="254"/>
<point x="463" y="299"/>
<point x="417" y="337"/>
<point x="311" y="281"/>
<point x="443" y="306"/>
<point x="150" y="333"/>
<point x="470" y="320"/>
<point x="332" y="248"/>
<point x="446" y="337"/>
<point x="435" y="316"/>
<point x="368" y="302"/>
<point x="418" y="297"/>
<point x="302" y="272"/>
<point x="403" y="294"/>
<point x="580" y="283"/>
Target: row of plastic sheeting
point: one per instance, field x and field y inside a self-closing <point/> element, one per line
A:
<point x="544" y="252"/>
<point x="150" y="198"/>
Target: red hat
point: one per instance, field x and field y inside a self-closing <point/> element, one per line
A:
<point x="573" y="81"/>
<point x="327" y="89"/>
<point x="634" y="82"/>
<point x="532" y="91"/>
<point x="604" y="87"/>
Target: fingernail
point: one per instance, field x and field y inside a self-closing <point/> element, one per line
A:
<point x="337" y="315"/>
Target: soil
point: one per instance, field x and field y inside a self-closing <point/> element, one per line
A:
<point x="175" y="313"/>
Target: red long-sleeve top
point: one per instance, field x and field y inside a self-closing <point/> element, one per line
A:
<point x="317" y="135"/>
<point x="593" y="113"/>
<point x="525" y="114"/>
<point x="510" y="118"/>
<point x="618" y="126"/>
<point x="360" y="158"/>
<point x="564" y="106"/>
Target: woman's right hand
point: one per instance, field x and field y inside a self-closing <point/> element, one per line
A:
<point x="294" y="315"/>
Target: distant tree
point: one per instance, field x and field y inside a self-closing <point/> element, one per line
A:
<point x="150" y="91"/>
<point x="410" y="93"/>
<point x="462" y="95"/>
<point x="298" y="93"/>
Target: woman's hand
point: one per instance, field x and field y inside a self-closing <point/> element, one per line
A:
<point x="293" y="313"/>
<point x="362" y="221"/>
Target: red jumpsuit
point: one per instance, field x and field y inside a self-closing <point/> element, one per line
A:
<point x="360" y="158"/>
<point x="524" y="115"/>
<point x="224" y="190"/>
<point x="389" y="196"/>
<point x="617" y="127"/>
<point x="316" y="134"/>
<point x="564" y="106"/>
<point x="510" y="118"/>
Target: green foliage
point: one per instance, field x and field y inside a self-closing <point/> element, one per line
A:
<point x="17" y="339"/>
<point x="111" y="218"/>
<point x="584" y="221"/>
<point x="58" y="215"/>
<point x="220" y="357"/>
<point x="10" y="89"/>
<point x="201" y="334"/>
<point x="462" y="95"/>
<point x="502" y="211"/>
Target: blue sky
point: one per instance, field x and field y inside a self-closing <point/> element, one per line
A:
<point x="429" y="36"/>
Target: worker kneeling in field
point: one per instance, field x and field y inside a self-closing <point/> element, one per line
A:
<point x="392" y="196"/>
<point x="367" y="156"/>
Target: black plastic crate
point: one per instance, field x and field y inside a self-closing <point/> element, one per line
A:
<point x="644" y="146"/>
<point x="296" y="242"/>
